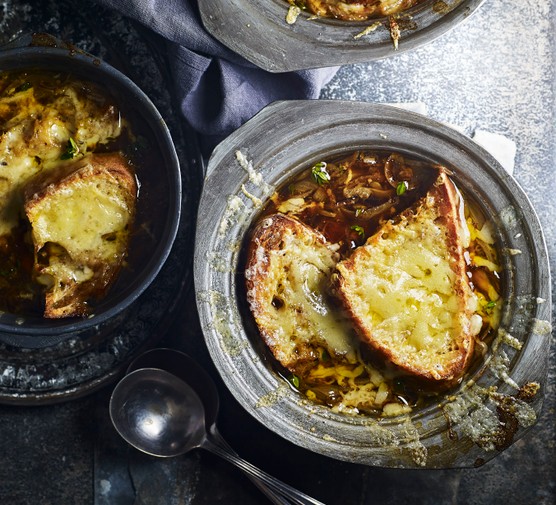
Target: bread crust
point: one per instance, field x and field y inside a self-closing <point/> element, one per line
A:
<point x="78" y="272"/>
<point x="438" y="212"/>
<point x="283" y="254"/>
<point x="94" y="165"/>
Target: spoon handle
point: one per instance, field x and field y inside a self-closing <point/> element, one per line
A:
<point x="296" y="496"/>
<point x="273" y="496"/>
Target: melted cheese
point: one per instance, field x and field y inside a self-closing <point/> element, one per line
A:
<point x="298" y="310"/>
<point x="35" y="131"/>
<point x="303" y="290"/>
<point x="408" y="289"/>
<point x="80" y="216"/>
<point x="408" y="295"/>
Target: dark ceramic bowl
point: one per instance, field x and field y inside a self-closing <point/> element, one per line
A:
<point x="464" y="428"/>
<point x="158" y="205"/>
<point x="258" y="31"/>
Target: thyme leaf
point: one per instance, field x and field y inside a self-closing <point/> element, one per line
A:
<point x="359" y="230"/>
<point x="319" y="173"/>
<point x="71" y="150"/>
<point x="401" y="188"/>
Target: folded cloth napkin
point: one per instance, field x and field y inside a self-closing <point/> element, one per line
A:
<point x="218" y="90"/>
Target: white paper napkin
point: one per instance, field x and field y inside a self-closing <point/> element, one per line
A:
<point x="501" y="147"/>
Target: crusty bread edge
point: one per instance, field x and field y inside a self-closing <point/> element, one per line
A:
<point x="50" y="182"/>
<point x="448" y="200"/>
<point x="265" y="238"/>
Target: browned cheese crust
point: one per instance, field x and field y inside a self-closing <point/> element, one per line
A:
<point x="407" y="289"/>
<point x="358" y="10"/>
<point x="287" y="273"/>
<point x="81" y="216"/>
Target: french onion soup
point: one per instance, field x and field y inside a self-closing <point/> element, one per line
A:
<point x="354" y="10"/>
<point x="68" y="192"/>
<point x="374" y="282"/>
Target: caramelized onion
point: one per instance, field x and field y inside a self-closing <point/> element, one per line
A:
<point x="396" y="171"/>
<point x="372" y="212"/>
<point x="364" y="188"/>
<point x="303" y="188"/>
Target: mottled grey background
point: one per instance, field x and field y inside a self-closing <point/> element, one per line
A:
<point x="495" y="72"/>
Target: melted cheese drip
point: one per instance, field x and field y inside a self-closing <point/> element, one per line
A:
<point x="304" y="290"/>
<point x="307" y="317"/>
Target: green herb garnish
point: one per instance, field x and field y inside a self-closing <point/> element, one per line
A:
<point x="490" y="306"/>
<point x="359" y="230"/>
<point x="71" y="150"/>
<point x="294" y="381"/>
<point x="401" y="188"/>
<point x="23" y="87"/>
<point x="319" y="173"/>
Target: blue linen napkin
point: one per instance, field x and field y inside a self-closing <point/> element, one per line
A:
<point x="218" y="90"/>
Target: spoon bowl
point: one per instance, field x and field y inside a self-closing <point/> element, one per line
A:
<point x="160" y="414"/>
<point x="157" y="413"/>
<point x="188" y="370"/>
<point x="191" y="372"/>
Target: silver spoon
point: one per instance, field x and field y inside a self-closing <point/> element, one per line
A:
<point x="159" y="414"/>
<point x="191" y="372"/>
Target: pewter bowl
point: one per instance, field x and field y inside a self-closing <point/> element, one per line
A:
<point x="258" y="31"/>
<point x="463" y="428"/>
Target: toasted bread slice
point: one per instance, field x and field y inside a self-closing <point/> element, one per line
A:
<point x="81" y="217"/>
<point x="357" y="10"/>
<point x="287" y="277"/>
<point x="407" y="289"/>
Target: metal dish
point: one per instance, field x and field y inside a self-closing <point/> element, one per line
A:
<point x="464" y="429"/>
<point x="37" y="370"/>
<point x="258" y="31"/>
<point x="159" y="205"/>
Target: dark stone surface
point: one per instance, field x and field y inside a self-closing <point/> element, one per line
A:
<point x="496" y="73"/>
<point x="46" y="453"/>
